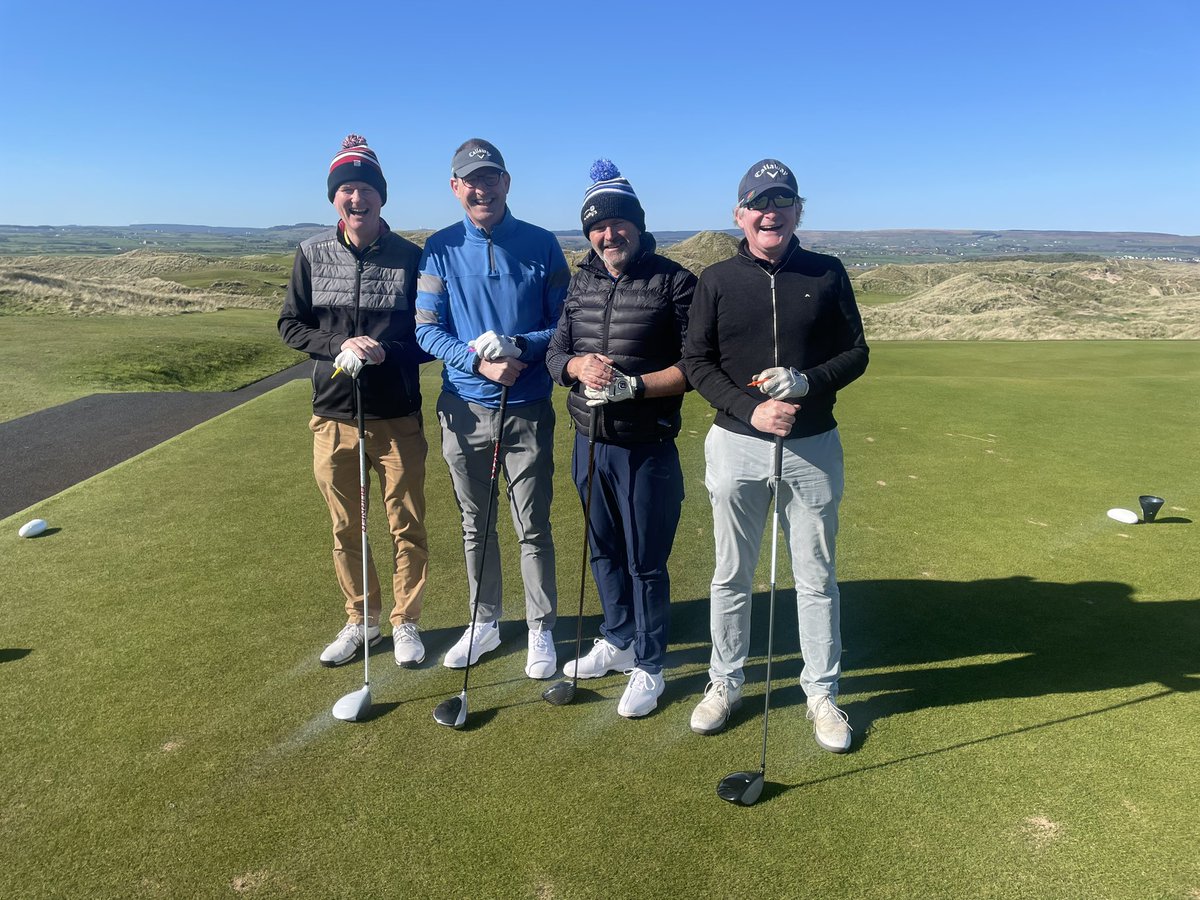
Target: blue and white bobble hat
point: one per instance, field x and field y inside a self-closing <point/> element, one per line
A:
<point x="610" y="197"/>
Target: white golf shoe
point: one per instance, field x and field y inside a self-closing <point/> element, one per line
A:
<point x="600" y="660"/>
<point x="345" y="646"/>
<point x="406" y="642"/>
<point x="542" y="661"/>
<point x="487" y="638"/>
<point x="641" y="694"/>
<point x="830" y="725"/>
<point x="711" y="713"/>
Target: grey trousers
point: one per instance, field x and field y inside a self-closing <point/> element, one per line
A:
<point x="738" y="472"/>
<point x="527" y="461"/>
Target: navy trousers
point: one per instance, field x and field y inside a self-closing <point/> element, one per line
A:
<point x="636" y="499"/>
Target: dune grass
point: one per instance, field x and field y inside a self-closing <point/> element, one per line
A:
<point x="1020" y="670"/>
<point x="55" y="359"/>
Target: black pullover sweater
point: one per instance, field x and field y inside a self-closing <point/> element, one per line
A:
<point x="730" y="337"/>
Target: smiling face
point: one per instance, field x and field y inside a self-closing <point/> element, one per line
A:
<point x="358" y="205"/>
<point x="769" y="231"/>
<point x="484" y="203"/>
<point x="617" y="242"/>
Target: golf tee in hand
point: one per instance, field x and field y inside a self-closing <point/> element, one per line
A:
<point x="781" y="383"/>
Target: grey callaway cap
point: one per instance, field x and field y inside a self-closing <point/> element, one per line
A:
<point x="478" y="154"/>
<point x="764" y="175"/>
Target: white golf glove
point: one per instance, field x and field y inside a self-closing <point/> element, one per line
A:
<point x="622" y="387"/>
<point x="349" y="363"/>
<point x="782" y="383"/>
<point x="492" y="346"/>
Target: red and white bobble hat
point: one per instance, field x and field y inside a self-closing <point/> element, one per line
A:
<point x="356" y="162"/>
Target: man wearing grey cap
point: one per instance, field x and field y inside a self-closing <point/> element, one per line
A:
<point x="489" y="294"/>
<point x="769" y="383"/>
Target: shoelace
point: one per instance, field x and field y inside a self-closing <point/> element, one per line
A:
<point x="826" y="707"/>
<point x="718" y="689"/>
<point x="542" y="641"/>
<point x="406" y="632"/>
<point x="640" y="680"/>
<point x="352" y="632"/>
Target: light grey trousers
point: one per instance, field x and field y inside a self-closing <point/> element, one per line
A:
<point x="738" y="475"/>
<point x="527" y="461"/>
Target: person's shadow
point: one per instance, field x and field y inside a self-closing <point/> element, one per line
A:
<point x="928" y="635"/>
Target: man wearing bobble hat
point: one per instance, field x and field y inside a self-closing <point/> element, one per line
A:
<point x="618" y="346"/>
<point x="349" y="306"/>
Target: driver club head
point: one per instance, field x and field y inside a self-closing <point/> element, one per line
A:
<point x="354" y="706"/>
<point x="742" y="788"/>
<point x="453" y="712"/>
<point x="560" y="693"/>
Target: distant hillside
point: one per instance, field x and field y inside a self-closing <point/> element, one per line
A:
<point x="702" y="250"/>
<point x="993" y="300"/>
<point x="1030" y="300"/>
<point x="857" y="249"/>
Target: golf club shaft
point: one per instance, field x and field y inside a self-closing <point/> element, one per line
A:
<point x="587" y="531"/>
<point x="487" y="526"/>
<point x="362" y="508"/>
<point x="777" y="479"/>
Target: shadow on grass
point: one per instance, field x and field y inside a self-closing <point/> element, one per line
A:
<point x="916" y="644"/>
<point x="12" y="654"/>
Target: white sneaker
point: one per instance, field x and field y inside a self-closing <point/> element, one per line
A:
<point x="487" y="638"/>
<point x="600" y="660"/>
<point x="542" y="661"/>
<point x="641" y="694"/>
<point x="830" y="726"/>
<point x="711" y="713"/>
<point x="345" y="646"/>
<point x="406" y="642"/>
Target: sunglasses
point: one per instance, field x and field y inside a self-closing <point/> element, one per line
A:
<point x="781" y="201"/>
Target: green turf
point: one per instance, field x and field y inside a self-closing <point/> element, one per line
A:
<point x="54" y="359"/>
<point x="1020" y="671"/>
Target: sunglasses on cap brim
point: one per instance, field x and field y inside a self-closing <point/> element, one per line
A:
<point x="781" y="201"/>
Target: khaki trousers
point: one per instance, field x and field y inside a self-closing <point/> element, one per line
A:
<point x="395" y="451"/>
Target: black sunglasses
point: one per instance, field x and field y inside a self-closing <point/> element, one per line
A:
<point x="781" y="201"/>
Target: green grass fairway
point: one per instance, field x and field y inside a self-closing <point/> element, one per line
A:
<point x="1021" y="672"/>
<point x="55" y="359"/>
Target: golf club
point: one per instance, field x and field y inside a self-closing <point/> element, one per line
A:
<point x="453" y="712"/>
<point x="356" y="704"/>
<point x="744" y="788"/>
<point x="563" y="692"/>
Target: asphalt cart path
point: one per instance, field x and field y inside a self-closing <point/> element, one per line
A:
<point x="48" y="451"/>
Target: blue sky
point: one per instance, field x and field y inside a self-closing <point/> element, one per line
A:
<point x="1057" y="115"/>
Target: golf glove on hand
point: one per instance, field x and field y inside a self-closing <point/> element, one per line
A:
<point x="492" y="346"/>
<point x="349" y="363"/>
<point x="622" y="387"/>
<point x="782" y="383"/>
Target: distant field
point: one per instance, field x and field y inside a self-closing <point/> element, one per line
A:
<point x="48" y="360"/>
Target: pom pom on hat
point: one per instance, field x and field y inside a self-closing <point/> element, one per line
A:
<point x="610" y="197"/>
<point x="604" y="170"/>
<point x="356" y="162"/>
